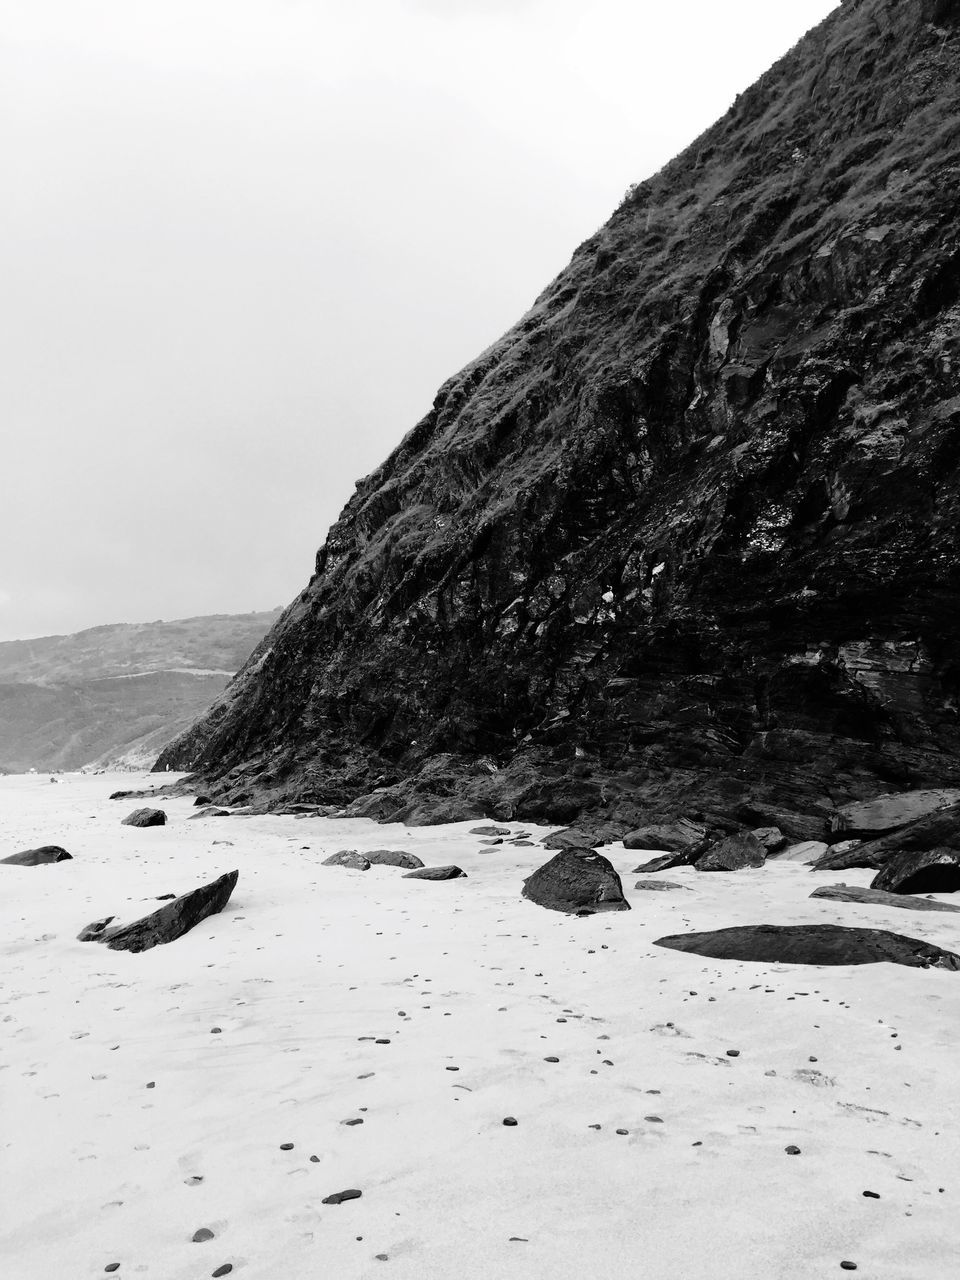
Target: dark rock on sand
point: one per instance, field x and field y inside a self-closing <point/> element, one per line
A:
<point x="339" y="1197"/>
<point x="772" y="838"/>
<point x="937" y="830"/>
<point x="200" y="801"/>
<point x="733" y="854"/>
<point x="879" y="898"/>
<point x="347" y="858"/>
<point x="169" y="922"/>
<point x="654" y="886"/>
<point x="145" y="818"/>
<point x="674" y="837"/>
<point x="93" y="932"/>
<point x="39" y="857"/>
<point x="212" y="811"/>
<point x="578" y="881"/>
<point x="586" y="835"/>
<point x="489" y="830"/>
<point x="824" y="944"/>
<point x="394" y="858"/>
<point x="435" y="873"/>
<point x="928" y="871"/>
<point x="665" y="862"/>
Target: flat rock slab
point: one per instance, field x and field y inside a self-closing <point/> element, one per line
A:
<point x="489" y="830"/>
<point x="40" y="857"/>
<point x="870" y="818"/>
<point x="673" y="837"/>
<point x="585" y="835"/>
<point x="823" y="944"/>
<point x="169" y="922"/>
<point x="806" y="851"/>
<point x="940" y="829"/>
<point x="210" y="812"/>
<point x="654" y="886"/>
<point x="394" y="858"/>
<point x="145" y="818"/>
<point x="926" y="871"/>
<point x="347" y="858"/>
<point x="733" y="854"/>
<point x="435" y="873"/>
<point x="877" y="897"/>
<point x="577" y="881"/>
<point x="663" y="862"/>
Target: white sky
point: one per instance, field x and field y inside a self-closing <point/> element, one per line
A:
<point x="242" y="242"/>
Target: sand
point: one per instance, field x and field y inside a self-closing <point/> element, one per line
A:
<point x="146" y="1097"/>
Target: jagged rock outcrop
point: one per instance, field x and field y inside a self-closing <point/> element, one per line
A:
<point x="927" y="871"/>
<point x="168" y="923"/>
<point x="686" y="540"/>
<point x="733" y="854"/>
<point x="829" y="944"/>
<point x="939" y="829"/>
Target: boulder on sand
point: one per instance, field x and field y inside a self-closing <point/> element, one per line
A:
<point x="825" y="944"/>
<point x="578" y="881"/>
<point x="927" y="871"/>
<point x="489" y="830"/>
<point x="733" y="854"/>
<point x="878" y="898"/>
<point x="145" y="818"/>
<point x="673" y="837"/>
<point x="40" y="857"/>
<point x="653" y="886"/>
<point x="394" y="858"/>
<point x="169" y="922"/>
<point x="435" y="873"/>
<point x="347" y="858"/>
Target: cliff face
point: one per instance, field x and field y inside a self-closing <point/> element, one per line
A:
<point x="685" y="538"/>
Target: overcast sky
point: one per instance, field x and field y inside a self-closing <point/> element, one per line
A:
<point x="242" y="243"/>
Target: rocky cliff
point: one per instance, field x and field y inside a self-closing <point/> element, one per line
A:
<point x="686" y="538"/>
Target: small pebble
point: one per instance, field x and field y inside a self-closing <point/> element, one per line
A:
<point x="216" y="1031"/>
<point x="510" y="1122"/>
<point x="551" y="1059"/>
<point x="623" y="1132"/>
<point x="352" y="1122"/>
<point x="224" y="1270"/>
<point x="848" y="1266"/>
<point x="112" y="1266"/>
<point x="872" y="1195"/>
<point x="152" y="1084"/>
<point x="286" y="1146"/>
<point x="733" y="1053"/>
<point x="792" y="1151"/>
<point x="314" y="1159"/>
<point x="204" y="1233"/>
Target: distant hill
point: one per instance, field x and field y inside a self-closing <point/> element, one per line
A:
<point x="116" y="694"/>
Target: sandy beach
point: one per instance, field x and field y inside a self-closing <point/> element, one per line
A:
<point x="340" y="1030"/>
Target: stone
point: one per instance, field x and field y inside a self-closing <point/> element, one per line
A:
<point x="210" y="811"/>
<point x="93" y="932"/>
<point x="201" y="800"/>
<point x="339" y="1197"/>
<point x="807" y="851"/>
<point x="665" y="862"/>
<point x="42" y="856"/>
<point x="927" y="871"/>
<point x="585" y="835"/>
<point x="145" y="818"/>
<point x="662" y="886"/>
<point x="880" y="898"/>
<point x="673" y="837"/>
<point x="772" y="838"/>
<point x="435" y="873"/>
<point x="347" y="858"/>
<point x="171" y="921"/>
<point x="577" y="881"/>
<point x="868" y="819"/>
<point x="940" y="829"/>
<point x="222" y="1270"/>
<point x="201" y="1234"/>
<point x="394" y="858"/>
<point x="820" y="944"/>
<point x="489" y="830"/>
<point x="733" y="854"/>
<point x="510" y="1122"/>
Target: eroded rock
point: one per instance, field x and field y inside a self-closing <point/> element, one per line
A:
<point x="734" y="853"/>
<point x="394" y="858"/>
<point x="673" y="837"/>
<point x="169" y="922"/>
<point x="821" y="944"/>
<point x="868" y="819"/>
<point x="435" y="873"/>
<point x="577" y="881"/>
<point x="40" y="857"/>
<point x="927" y="871"/>
<point x="347" y="858"/>
<point x="879" y="898"/>
<point x="145" y="818"/>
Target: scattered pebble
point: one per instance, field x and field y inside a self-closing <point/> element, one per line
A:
<point x="203" y="1233"/>
<point x="510" y="1122"/>
<point x="792" y="1151"/>
<point x="338" y="1197"/>
<point x="224" y="1270"/>
<point x="286" y="1146"/>
<point x="112" y="1266"/>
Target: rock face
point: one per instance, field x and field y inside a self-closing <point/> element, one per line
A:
<point x="670" y="836"/>
<point x="687" y="537"/>
<point x="877" y="898"/>
<point x="578" y="881"/>
<point x="827" y="944"/>
<point x="929" y="871"/>
<point x="145" y="818"/>
<point x="40" y="857"/>
<point x="733" y="854"/>
<point x="170" y="922"/>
